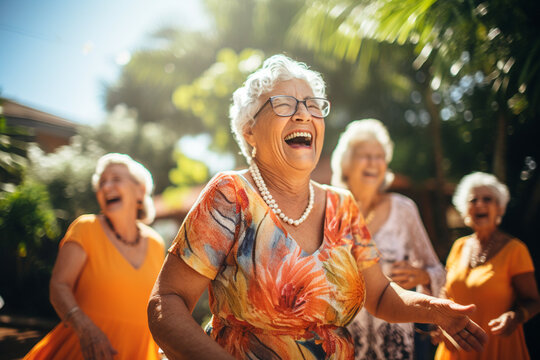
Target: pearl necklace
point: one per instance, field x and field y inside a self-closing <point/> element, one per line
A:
<point x="269" y="200"/>
<point x="480" y="257"/>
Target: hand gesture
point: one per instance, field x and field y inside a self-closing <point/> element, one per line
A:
<point x="505" y="324"/>
<point x="458" y="328"/>
<point x="408" y="276"/>
<point x="437" y="336"/>
<point x="94" y="343"/>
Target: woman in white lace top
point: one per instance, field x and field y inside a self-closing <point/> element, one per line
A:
<point x="360" y="164"/>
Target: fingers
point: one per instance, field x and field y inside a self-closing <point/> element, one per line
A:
<point x="399" y="278"/>
<point x="504" y="325"/>
<point x="449" y="342"/>
<point x="496" y="326"/>
<point x="107" y="350"/>
<point x="404" y="278"/>
<point x="474" y="336"/>
<point x="436" y="336"/>
<point x="403" y="271"/>
<point x="463" y="309"/>
<point x="401" y="264"/>
<point x="98" y="349"/>
<point x="468" y="341"/>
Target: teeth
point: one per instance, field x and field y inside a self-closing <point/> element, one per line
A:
<point x="298" y="134"/>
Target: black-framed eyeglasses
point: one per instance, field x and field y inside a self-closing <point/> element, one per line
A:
<point x="285" y="105"/>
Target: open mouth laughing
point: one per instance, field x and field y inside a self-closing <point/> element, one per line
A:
<point x="480" y="216"/>
<point x="370" y="173"/>
<point x="299" y="139"/>
<point x="112" y="200"/>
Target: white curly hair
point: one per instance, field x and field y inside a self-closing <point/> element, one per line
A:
<point x="477" y="180"/>
<point x="138" y="172"/>
<point x="355" y="133"/>
<point x="246" y="99"/>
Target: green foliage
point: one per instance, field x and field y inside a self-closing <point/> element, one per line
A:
<point x="172" y="57"/>
<point x="187" y="174"/>
<point x="66" y="174"/>
<point x="13" y="147"/>
<point x="28" y="242"/>
<point x="152" y="143"/>
<point x="455" y="36"/>
<point x="209" y="96"/>
<point x="198" y="172"/>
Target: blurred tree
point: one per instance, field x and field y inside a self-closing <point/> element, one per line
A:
<point x="13" y="151"/>
<point x="209" y="96"/>
<point x="66" y="175"/>
<point x="67" y="172"/>
<point x="28" y="231"/>
<point x="146" y="84"/>
<point x="462" y="48"/>
<point x="187" y="174"/>
<point x="150" y="143"/>
<point x="175" y="58"/>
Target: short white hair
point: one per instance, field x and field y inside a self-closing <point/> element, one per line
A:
<point x="478" y="180"/>
<point x="246" y="98"/>
<point x="139" y="173"/>
<point x="355" y="133"/>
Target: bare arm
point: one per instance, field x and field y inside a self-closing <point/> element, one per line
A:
<point x="528" y="305"/>
<point x="67" y="269"/>
<point x="388" y="301"/>
<point x="177" y="290"/>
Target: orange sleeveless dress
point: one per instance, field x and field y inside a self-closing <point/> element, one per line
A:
<point x="112" y="293"/>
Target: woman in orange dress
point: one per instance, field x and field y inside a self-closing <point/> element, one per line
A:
<point x="492" y="270"/>
<point x="288" y="261"/>
<point x="105" y="270"/>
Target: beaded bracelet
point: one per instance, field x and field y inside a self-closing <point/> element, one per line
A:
<point x="71" y="312"/>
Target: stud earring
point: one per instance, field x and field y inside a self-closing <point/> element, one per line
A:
<point x="253" y="152"/>
<point x="468" y="221"/>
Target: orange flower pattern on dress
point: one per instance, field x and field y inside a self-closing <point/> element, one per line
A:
<point x="269" y="298"/>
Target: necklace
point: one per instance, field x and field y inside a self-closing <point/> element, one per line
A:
<point x="480" y="257"/>
<point x="269" y="200"/>
<point x="121" y="239"/>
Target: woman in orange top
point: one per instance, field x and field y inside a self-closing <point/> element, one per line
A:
<point x="105" y="270"/>
<point x="492" y="270"/>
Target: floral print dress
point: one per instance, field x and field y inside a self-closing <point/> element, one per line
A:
<point x="269" y="298"/>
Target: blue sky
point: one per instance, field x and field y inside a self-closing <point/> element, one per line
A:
<point x="56" y="54"/>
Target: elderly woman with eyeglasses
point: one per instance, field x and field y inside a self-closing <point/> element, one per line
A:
<point x="492" y="270"/>
<point x="360" y="164"/>
<point x="288" y="262"/>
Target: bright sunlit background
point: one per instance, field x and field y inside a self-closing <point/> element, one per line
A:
<point x="56" y="55"/>
<point x="457" y="83"/>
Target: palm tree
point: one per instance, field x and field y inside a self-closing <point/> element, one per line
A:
<point x="496" y="44"/>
